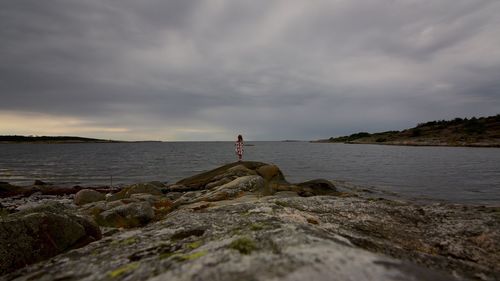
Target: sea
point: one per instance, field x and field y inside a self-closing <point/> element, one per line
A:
<point x="451" y="174"/>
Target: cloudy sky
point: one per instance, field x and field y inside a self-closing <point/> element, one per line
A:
<point x="270" y="70"/>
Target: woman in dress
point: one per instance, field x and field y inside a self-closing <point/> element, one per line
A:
<point x="239" y="147"/>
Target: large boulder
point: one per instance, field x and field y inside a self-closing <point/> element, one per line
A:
<point x="42" y="232"/>
<point x="126" y="216"/>
<point x="86" y="196"/>
<point x="200" y="181"/>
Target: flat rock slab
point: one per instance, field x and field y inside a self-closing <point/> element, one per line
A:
<point x="268" y="238"/>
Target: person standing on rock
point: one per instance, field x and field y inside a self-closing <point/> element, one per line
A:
<point x="239" y="147"/>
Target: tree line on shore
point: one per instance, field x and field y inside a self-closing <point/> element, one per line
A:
<point x="459" y="129"/>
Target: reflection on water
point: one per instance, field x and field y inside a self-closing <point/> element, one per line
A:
<point x="446" y="173"/>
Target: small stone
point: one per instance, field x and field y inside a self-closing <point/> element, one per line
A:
<point x="86" y="196"/>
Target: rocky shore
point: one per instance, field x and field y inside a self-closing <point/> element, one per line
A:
<point x="474" y="132"/>
<point x="494" y="143"/>
<point x="241" y="221"/>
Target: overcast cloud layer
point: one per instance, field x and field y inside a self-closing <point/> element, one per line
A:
<point x="270" y="70"/>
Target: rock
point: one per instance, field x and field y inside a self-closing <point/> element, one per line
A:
<point x="240" y="171"/>
<point x="270" y="239"/>
<point x="270" y="172"/>
<point x="235" y="188"/>
<point x="316" y="187"/>
<point x="149" y="188"/>
<point x="158" y="184"/>
<point x="95" y="208"/>
<point x="5" y="187"/>
<point x="39" y="182"/>
<point x="42" y="232"/>
<point x="199" y="181"/>
<point x="218" y="182"/>
<point x="146" y="197"/>
<point x="173" y="195"/>
<point x="178" y="188"/>
<point x="49" y="189"/>
<point x="8" y="190"/>
<point x="3" y="210"/>
<point x="86" y="196"/>
<point x="127" y="216"/>
<point x="246" y="183"/>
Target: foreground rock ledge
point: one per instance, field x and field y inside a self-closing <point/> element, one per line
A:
<point x="229" y="224"/>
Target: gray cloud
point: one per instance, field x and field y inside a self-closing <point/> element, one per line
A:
<point x="267" y="69"/>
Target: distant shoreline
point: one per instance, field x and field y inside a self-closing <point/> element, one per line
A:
<point x="72" y="142"/>
<point x="15" y="139"/>
<point x="473" y="132"/>
<point x="476" y="145"/>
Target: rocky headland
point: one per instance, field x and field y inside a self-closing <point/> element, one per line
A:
<point x="242" y="221"/>
<point x="473" y="132"/>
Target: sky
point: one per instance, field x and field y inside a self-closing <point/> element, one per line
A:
<point x="177" y="70"/>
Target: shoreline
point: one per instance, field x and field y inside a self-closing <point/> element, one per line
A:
<point x="496" y="145"/>
<point x="363" y="190"/>
<point x="73" y="142"/>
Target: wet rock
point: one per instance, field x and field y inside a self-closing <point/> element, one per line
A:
<point x="9" y="190"/>
<point x="126" y="216"/>
<point x="316" y="187"/>
<point x="6" y="187"/>
<point x="39" y="182"/>
<point x="86" y="196"/>
<point x="42" y="232"/>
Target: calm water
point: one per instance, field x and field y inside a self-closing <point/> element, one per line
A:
<point x="467" y="175"/>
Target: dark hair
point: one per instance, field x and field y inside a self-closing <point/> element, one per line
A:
<point x="240" y="138"/>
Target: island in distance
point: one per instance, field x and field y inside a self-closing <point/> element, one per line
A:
<point x="477" y="132"/>
<point x="56" y="139"/>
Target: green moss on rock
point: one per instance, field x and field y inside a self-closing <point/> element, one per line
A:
<point x="244" y="245"/>
<point x="194" y="245"/>
<point x="191" y="256"/>
<point x="257" y="226"/>
<point x="124" y="269"/>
